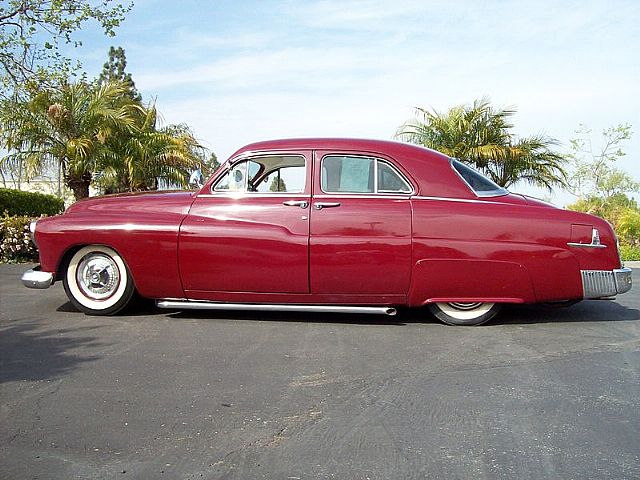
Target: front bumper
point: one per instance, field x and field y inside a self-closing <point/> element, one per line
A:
<point x="605" y="283"/>
<point x="36" y="278"/>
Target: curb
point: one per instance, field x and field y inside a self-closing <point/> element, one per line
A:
<point x="632" y="264"/>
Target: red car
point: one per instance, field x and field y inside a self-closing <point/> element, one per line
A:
<point x="332" y="225"/>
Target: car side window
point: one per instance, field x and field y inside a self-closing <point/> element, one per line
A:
<point x="390" y="181"/>
<point x="268" y="174"/>
<point x="286" y="179"/>
<point x="481" y="185"/>
<point x="235" y="180"/>
<point x="356" y="174"/>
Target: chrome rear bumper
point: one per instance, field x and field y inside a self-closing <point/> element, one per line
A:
<point x="605" y="283"/>
<point x="36" y="278"/>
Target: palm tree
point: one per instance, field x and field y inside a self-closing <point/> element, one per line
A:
<point x="96" y="132"/>
<point x="137" y="161"/>
<point x="69" y="126"/>
<point x="480" y="136"/>
<point x="530" y="160"/>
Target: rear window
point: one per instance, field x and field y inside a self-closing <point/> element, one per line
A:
<point x="481" y="185"/>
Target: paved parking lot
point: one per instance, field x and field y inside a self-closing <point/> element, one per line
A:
<point x="538" y="393"/>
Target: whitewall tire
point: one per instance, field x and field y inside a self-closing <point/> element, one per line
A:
<point x="97" y="281"/>
<point x="457" y="313"/>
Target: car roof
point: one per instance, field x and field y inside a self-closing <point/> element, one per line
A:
<point x="329" y="143"/>
<point x="430" y="169"/>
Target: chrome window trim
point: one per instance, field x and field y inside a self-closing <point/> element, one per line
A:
<point x="235" y="161"/>
<point x="376" y="193"/>
<point x="452" y="199"/>
<point x="500" y="192"/>
<point x="254" y="194"/>
<point x="399" y="173"/>
<point x="393" y="196"/>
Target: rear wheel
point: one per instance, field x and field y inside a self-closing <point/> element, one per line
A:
<point x="459" y="313"/>
<point x="97" y="281"/>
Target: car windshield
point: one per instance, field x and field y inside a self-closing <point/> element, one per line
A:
<point x="481" y="185"/>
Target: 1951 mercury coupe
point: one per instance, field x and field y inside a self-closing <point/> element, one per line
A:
<point x="334" y="225"/>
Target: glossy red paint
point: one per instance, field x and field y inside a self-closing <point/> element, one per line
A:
<point x="438" y="243"/>
<point x="142" y="227"/>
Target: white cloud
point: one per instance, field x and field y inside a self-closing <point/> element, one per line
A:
<point x="358" y="68"/>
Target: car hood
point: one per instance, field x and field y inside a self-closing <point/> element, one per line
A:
<point x="165" y="201"/>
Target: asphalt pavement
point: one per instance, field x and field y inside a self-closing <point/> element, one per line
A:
<point x="538" y="393"/>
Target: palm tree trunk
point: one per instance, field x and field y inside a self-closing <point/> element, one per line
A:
<point x="79" y="185"/>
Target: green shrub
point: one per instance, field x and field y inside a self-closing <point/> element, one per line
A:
<point x="15" y="240"/>
<point x="17" y="202"/>
<point x="630" y="252"/>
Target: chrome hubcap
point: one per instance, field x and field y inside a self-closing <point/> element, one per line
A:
<point x="98" y="276"/>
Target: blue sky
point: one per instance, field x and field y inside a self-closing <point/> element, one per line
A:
<point x="241" y="71"/>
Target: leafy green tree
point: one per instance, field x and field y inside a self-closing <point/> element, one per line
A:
<point x="277" y="184"/>
<point x="210" y="165"/>
<point x="601" y="187"/>
<point x="114" y="71"/>
<point x="70" y="127"/>
<point x="629" y="225"/>
<point x="95" y="132"/>
<point x="594" y="173"/>
<point x="32" y="32"/>
<point x="481" y="136"/>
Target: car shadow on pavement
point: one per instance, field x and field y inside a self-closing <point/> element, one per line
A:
<point x="585" y="311"/>
<point x="301" y="317"/>
<point x="140" y="308"/>
<point x="29" y="353"/>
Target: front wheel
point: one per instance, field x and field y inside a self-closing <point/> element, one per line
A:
<point x="458" y="313"/>
<point x="97" y="281"/>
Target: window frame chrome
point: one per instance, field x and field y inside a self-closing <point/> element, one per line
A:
<point x="500" y="192"/>
<point x="376" y="193"/>
<point x="248" y="158"/>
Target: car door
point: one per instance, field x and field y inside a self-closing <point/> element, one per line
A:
<point x="248" y="231"/>
<point x="360" y="233"/>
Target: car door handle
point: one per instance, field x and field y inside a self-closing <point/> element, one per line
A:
<point x="321" y="205"/>
<point x="296" y="203"/>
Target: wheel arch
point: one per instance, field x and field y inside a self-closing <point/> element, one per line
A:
<point x="66" y="257"/>
<point x="470" y="280"/>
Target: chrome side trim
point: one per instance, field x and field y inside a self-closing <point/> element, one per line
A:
<point x="203" y="305"/>
<point x="36" y="278"/>
<point x="595" y="241"/>
<point x="586" y="245"/>
<point x="254" y="195"/>
<point x="605" y="283"/>
<point x="359" y="196"/>
<point x="461" y="200"/>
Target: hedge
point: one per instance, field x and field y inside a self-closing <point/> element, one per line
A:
<point x="630" y="252"/>
<point x="17" y="202"/>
